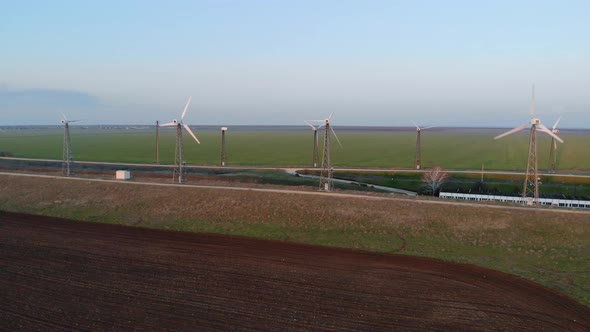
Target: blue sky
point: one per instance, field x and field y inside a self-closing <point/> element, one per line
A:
<point x="380" y="63"/>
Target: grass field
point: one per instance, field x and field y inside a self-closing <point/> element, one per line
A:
<point x="550" y="248"/>
<point x="505" y="183"/>
<point x="449" y="148"/>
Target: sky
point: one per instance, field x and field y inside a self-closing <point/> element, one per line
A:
<point x="255" y="62"/>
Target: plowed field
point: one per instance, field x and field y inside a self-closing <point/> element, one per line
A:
<point x="62" y="274"/>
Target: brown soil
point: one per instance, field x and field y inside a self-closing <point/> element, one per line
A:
<point x="62" y="274"/>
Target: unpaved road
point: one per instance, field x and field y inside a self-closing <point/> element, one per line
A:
<point x="312" y="193"/>
<point x="57" y="274"/>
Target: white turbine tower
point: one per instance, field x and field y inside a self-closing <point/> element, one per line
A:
<point x="178" y="174"/>
<point x="531" y="180"/>
<point x="157" y="142"/>
<point x="316" y="156"/>
<point x="553" y="152"/>
<point x="418" y="163"/>
<point x="67" y="163"/>
<point x="326" y="183"/>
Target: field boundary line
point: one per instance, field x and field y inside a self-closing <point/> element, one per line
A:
<point x="290" y="168"/>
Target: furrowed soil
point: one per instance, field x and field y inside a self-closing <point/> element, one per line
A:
<point x="58" y="274"/>
<point x="547" y="247"/>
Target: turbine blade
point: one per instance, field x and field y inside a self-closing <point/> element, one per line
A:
<point x="415" y="125"/>
<point x="533" y="102"/>
<point x="309" y="124"/>
<point x="336" y="136"/>
<point x="330" y="117"/>
<point x="191" y="132"/>
<point x="555" y="124"/>
<point x="512" y="131"/>
<point x="168" y="124"/>
<point x="427" y="127"/>
<point x="546" y="130"/>
<point x="186" y="107"/>
<point x="64" y="116"/>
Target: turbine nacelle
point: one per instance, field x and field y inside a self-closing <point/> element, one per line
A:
<point x="534" y="122"/>
<point x="324" y="123"/>
<point x="423" y="128"/>
<point x="64" y="119"/>
<point x="180" y="123"/>
<point x="554" y="128"/>
<point x="418" y="128"/>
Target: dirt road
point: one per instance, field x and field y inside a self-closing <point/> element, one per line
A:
<point x="308" y="193"/>
<point x="61" y="275"/>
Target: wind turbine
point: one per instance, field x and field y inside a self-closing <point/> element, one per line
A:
<point x="326" y="183"/>
<point x="157" y="142"/>
<point x="67" y="152"/>
<point x="418" y="163"/>
<point x="223" y="149"/>
<point x="316" y="156"/>
<point x="531" y="180"/>
<point x="178" y="174"/>
<point x="553" y="151"/>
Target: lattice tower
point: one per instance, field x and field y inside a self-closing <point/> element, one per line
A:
<point x="179" y="171"/>
<point x="67" y="152"/>
<point x="418" y="150"/>
<point x="157" y="142"/>
<point x="326" y="183"/>
<point x="223" y="148"/>
<point x="530" y="192"/>
<point x="553" y="156"/>
<point x="316" y="150"/>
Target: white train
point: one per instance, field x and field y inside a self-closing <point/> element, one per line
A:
<point x="558" y="202"/>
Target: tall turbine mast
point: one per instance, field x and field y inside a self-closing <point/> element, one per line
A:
<point x="418" y="163"/>
<point x="223" y="150"/>
<point x="326" y="174"/>
<point x="531" y="182"/>
<point x="157" y="142"/>
<point x="315" y="156"/>
<point x="67" y="151"/>
<point x="67" y="163"/>
<point x="178" y="175"/>
<point x="530" y="192"/>
<point x="553" y="152"/>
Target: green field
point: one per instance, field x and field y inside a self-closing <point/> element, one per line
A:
<point x="548" y="247"/>
<point x="451" y="149"/>
<point x="505" y="183"/>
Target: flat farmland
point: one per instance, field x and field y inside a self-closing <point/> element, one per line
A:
<point x="549" y="247"/>
<point x="449" y="148"/>
<point x="61" y="274"/>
